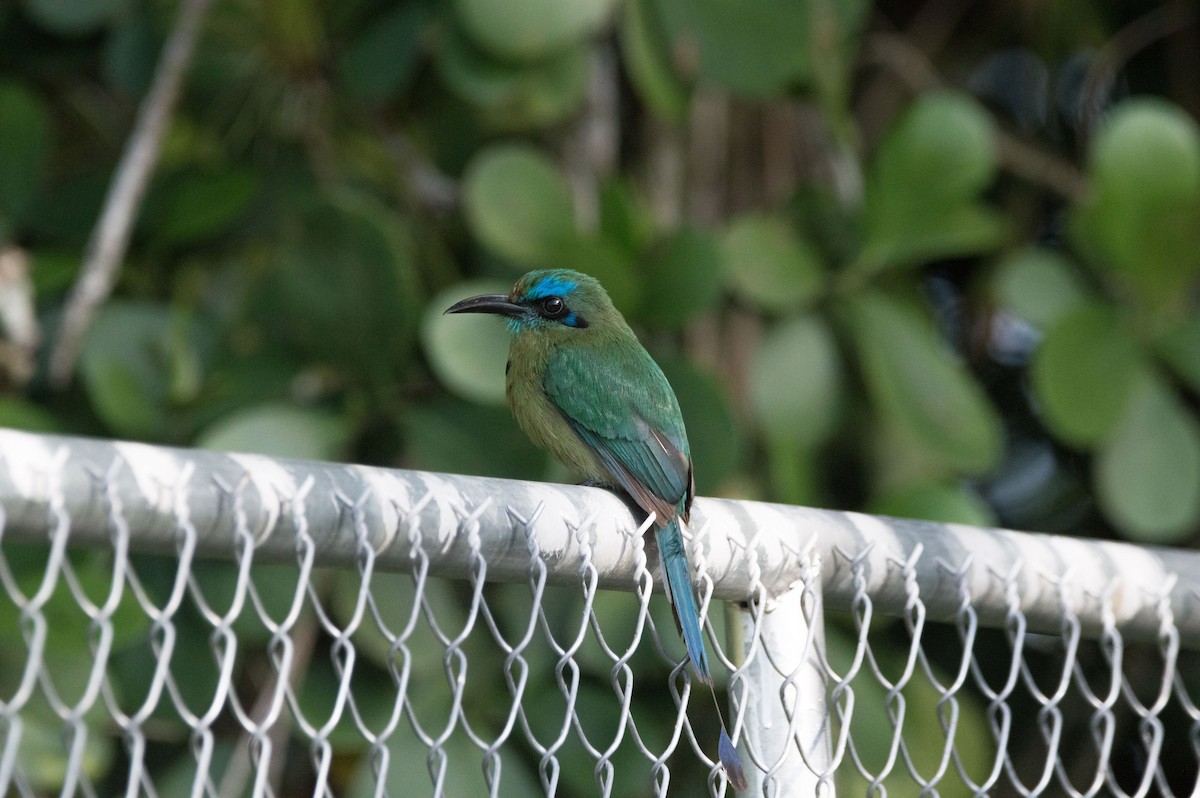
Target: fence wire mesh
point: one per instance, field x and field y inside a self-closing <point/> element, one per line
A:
<point x="181" y="622"/>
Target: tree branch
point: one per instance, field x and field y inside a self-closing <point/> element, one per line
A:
<point x="1016" y="156"/>
<point x="110" y="238"/>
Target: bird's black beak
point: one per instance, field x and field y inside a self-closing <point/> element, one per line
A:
<point x="488" y="303"/>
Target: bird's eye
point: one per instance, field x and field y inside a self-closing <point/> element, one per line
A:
<point x="553" y="307"/>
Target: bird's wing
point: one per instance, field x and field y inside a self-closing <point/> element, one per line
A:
<point x="623" y="409"/>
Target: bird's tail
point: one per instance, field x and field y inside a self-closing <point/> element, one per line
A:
<point x="678" y="577"/>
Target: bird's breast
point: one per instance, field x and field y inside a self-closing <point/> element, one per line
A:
<point x="540" y="418"/>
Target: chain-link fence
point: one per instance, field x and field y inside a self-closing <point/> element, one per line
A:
<point x="192" y="623"/>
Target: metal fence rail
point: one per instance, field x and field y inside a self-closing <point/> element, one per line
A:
<point x="177" y="622"/>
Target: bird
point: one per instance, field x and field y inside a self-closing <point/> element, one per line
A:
<point x="583" y="388"/>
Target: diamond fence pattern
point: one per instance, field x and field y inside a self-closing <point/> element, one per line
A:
<point x="179" y="622"/>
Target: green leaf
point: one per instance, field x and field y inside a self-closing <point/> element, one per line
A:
<point x="70" y="17"/>
<point x="280" y="430"/>
<point x="712" y="431"/>
<point x="68" y="626"/>
<point x="683" y="279"/>
<point x="918" y="384"/>
<point x="1148" y="152"/>
<point x="45" y="759"/>
<point x="347" y="285"/>
<point x="1148" y="475"/>
<point x="625" y="218"/>
<point x="381" y="60"/>
<point x="1039" y="286"/>
<point x="924" y="185"/>
<point x="131" y="54"/>
<point x="458" y="437"/>
<point x="125" y="365"/>
<point x="1179" y="347"/>
<point x="950" y="504"/>
<point x="646" y="56"/>
<point x="518" y="205"/>
<point x="1141" y="218"/>
<point x="24" y="141"/>
<point x="514" y="96"/>
<point x="374" y="697"/>
<point x="795" y="382"/>
<point x="925" y="713"/>
<point x="467" y="351"/>
<point x="197" y="205"/>
<point x="1082" y="374"/>
<point x="607" y="262"/>
<point x="526" y="30"/>
<point x="768" y="265"/>
<point x="754" y="48"/>
<point x="19" y="414"/>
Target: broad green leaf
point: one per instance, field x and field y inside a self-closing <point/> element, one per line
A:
<point x="16" y="413"/>
<point x="924" y="185"/>
<point x="193" y="206"/>
<point x="625" y="217"/>
<point x="682" y="279"/>
<point x="836" y="44"/>
<point x="1039" y="286"/>
<point x="795" y="382"/>
<point x="1149" y="153"/>
<point x="713" y="435"/>
<point x="68" y="626"/>
<point x="1082" y="374"/>
<point x="379" y="63"/>
<point x="924" y="715"/>
<point x="125" y="366"/>
<point x="1180" y="348"/>
<point x="394" y="595"/>
<point x="458" y="437"/>
<point x="514" y="96"/>
<point x="347" y="284"/>
<point x="1141" y="218"/>
<point x="918" y="384"/>
<point x="950" y="504"/>
<point x="280" y="430"/>
<point x="518" y="205"/>
<point x="24" y="141"/>
<point x="646" y="56"/>
<point x="66" y="210"/>
<point x="609" y="263"/>
<point x="768" y="265"/>
<point x="54" y="271"/>
<point x="467" y="351"/>
<point x="44" y="755"/>
<point x="72" y="18"/>
<point x="374" y="697"/>
<point x="528" y="30"/>
<point x="754" y="48"/>
<point x="408" y="764"/>
<point x="1148" y="474"/>
<point x="131" y="54"/>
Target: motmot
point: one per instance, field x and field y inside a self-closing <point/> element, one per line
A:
<point x="583" y="388"/>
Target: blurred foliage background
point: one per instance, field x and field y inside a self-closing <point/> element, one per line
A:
<point x="933" y="259"/>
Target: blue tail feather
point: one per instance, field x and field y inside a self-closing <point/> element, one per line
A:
<point x="679" y="582"/>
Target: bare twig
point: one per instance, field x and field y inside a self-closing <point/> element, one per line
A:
<point x="17" y="317"/>
<point x="590" y="147"/>
<point x="1016" y="156"/>
<point x="110" y="237"/>
<point x="1127" y="42"/>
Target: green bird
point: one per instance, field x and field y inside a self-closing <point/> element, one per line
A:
<point x="583" y="388"/>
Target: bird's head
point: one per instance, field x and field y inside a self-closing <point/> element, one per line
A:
<point x="558" y="302"/>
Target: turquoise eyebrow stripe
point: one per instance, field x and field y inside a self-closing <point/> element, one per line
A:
<point x="551" y="286"/>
